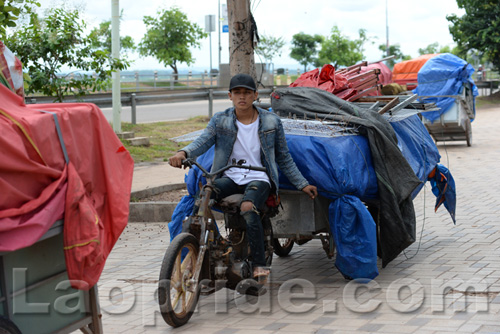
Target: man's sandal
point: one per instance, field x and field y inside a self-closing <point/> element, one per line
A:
<point x="260" y="274"/>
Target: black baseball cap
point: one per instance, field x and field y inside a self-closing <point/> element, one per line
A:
<point x="242" y="80"/>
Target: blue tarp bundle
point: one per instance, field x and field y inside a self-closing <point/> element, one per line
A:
<point x="444" y="74"/>
<point x="342" y="169"/>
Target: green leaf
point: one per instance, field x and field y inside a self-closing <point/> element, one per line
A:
<point x="56" y="40"/>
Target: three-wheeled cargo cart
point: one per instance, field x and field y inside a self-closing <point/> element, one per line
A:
<point x="301" y="220"/>
<point x="36" y="295"/>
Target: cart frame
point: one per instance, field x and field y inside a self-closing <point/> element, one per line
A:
<point x="455" y="123"/>
<point x="301" y="219"/>
<point x="37" y="292"/>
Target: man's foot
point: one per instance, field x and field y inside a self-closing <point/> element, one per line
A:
<point x="260" y="274"/>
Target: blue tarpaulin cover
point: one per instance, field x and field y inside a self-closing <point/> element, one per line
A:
<point x="444" y="74"/>
<point x="443" y="187"/>
<point x="342" y="169"/>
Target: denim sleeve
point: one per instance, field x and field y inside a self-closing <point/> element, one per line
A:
<point x="285" y="161"/>
<point x="201" y="144"/>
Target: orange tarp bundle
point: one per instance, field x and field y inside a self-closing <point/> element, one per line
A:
<point x="406" y="72"/>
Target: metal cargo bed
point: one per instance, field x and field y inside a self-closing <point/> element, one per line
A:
<point x="35" y="292"/>
<point x="454" y="124"/>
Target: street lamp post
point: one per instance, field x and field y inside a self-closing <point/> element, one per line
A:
<point x="210" y="27"/>
<point x="218" y="28"/>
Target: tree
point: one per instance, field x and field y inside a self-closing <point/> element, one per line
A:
<point x="394" y="50"/>
<point x="340" y="50"/>
<point x="304" y="48"/>
<point x="101" y="38"/>
<point x="10" y="10"/>
<point x="168" y="38"/>
<point x="269" y="47"/>
<point x="429" y="49"/>
<point x="478" y="29"/>
<point x="45" y="45"/>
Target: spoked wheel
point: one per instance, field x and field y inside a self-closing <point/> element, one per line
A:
<point x="283" y="246"/>
<point x="8" y="327"/>
<point x="177" y="293"/>
<point x="268" y="243"/>
<point x="468" y="132"/>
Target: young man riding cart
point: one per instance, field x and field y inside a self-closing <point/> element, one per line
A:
<point x="245" y="134"/>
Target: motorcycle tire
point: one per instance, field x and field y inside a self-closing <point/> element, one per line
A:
<point x="176" y="296"/>
<point x="283" y="246"/>
<point x="8" y="327"/>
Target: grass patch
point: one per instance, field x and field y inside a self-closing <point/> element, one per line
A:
<point x="161" y="147"/>
<point x="488" y="101"/>
<point x="283" y="79"/>
<point x="149" y="84"/>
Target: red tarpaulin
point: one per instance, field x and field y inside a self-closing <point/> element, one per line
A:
<point x="384" y="77"/>
<point x="38" y="187"/>
<point x="349" y="83"/>
<point x="326" y="79"/>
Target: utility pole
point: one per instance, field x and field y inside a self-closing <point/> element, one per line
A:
<point x="241" y="34"/>
<point x="115" y="53"/>
<point x="218" y="29"/>
<point x="210" y="27"/>
<point x="386" y="30"/>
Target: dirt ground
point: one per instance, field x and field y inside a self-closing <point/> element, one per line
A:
<point x="169" y="196"/>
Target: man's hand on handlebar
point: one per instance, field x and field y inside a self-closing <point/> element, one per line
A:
<point x="177" y="159"/>
<point x="311" y="190"/>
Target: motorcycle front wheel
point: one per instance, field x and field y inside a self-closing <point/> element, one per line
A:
<point x="177" y="292"/>
<point x="283" y="246"/>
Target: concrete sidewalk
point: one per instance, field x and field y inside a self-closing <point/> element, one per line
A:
<point x="448" y="281"/>
<point x="153" y="175"/>
<point x="152" y="179"/>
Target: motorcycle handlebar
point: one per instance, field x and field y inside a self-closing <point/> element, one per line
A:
<point x="190" y="162"/>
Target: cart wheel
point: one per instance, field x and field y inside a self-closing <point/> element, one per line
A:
<point x="177" y="295"/>
<point x="283" y="246"/>
<point x="468" y="132"/>
<point x="8" y="327"/>
<point x="269" y="241"/>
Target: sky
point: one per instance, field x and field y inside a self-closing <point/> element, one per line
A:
<point x="412" y="24"/>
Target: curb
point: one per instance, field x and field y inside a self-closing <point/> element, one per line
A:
<point x="139" y="194"/>
<point x="151" y="212"/>
<point x="140" y="212"/>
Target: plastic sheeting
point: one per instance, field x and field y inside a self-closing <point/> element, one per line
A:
<point x="342" y="169"/>
<point x="11" y="71"/>
<point x="395" y="178"/>
<point x="443" y="187"/>
<point x="444" y="74"/>
<point x="406" y="72"/>
<point x="326" y="79"/>
<point x="38" y="186"/>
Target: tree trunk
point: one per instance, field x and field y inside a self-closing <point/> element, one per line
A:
<point x="176" y="73"/>
<point x="241" y="48"/>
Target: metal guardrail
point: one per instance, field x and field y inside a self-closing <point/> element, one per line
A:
<point x="209" y="95"/>
<point x="136" y="99"/>
<point x="488" y="84"/>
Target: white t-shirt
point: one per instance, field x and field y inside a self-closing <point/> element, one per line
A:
<point x="247" y="148"/>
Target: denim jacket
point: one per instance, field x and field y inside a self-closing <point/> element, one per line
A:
<point x="222" y="131"/>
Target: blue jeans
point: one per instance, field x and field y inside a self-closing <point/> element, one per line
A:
<point x="256" y="192"/>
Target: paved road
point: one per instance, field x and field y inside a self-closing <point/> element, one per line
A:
<point x="168" y="111"/>
<point x="409" y="296"/>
